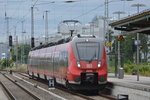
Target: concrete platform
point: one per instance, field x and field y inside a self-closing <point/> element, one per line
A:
<point x="130" y="79"/>
<point x="136" y="90"/>
<point x="2" y="94"/>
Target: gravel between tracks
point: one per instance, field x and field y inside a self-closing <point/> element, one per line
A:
<point x="44" y="95"/>
<point x="15" y="90"/>
<point x="63" y="93"/>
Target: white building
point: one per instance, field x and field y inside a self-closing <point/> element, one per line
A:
<point x="4" y="50"/>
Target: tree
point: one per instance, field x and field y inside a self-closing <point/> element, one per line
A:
<point x="127" y="47"/>
<point x="144" y="45"/>
<point x="20" y="56"/>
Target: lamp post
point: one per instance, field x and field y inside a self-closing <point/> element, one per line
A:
<point x="119" y="58"/>
<point x="46" y="26"/>
<point x="32" y="23"/>
<point x="32" y="28"/>
<point x="138" y="6"/>
<point x="23" y="42"/>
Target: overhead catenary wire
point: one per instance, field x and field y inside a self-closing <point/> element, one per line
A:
<point x="23" y="18"/>
<point x="101" y="5"/>
<point x="27" y="14"/>
<point x="89" y="11"/>
<point x="37" y="2"/>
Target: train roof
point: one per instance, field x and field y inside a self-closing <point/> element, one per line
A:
<point x="62" y="41"/>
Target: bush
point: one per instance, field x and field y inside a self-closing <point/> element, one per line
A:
<point x="126" y="68"/>
<point x="20" y="68"/>
<point x="4" y="63"/>
<point x="111" y="69"/>
<point x="143" y="69"/>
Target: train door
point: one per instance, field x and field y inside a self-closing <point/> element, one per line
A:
<point x="34" y="63"/>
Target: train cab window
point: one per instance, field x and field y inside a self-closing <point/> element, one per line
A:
<point x="88" y="51"/>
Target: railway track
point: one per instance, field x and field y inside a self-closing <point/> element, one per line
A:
<point x="58" y="87"/>
<point x="15" y="90"/>
<point x="9" y="94"/>
<point x="101" y="96"/>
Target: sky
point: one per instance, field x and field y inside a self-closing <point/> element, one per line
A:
<point x="19" y="11"/>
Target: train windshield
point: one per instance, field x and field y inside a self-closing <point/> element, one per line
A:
<point x="88" y="50"/>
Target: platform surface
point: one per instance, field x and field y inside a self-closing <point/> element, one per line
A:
<point x="2" y="94"/>
<point x="130" y="79"/>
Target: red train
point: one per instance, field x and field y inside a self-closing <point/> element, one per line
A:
<point x="79" y="63"/>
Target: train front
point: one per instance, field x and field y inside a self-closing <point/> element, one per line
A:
<point x="87" y="63"/>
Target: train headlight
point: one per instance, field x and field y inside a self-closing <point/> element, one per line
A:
<point x="99" y="64"/>
<point x="78" y="64"/>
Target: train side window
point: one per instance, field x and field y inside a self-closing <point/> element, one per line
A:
<point x="65" y="58"/>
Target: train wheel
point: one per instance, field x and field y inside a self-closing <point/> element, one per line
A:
<point x="55" y="83"/>
<point x="28" y="72"/>
<point x="45" y="77"/>
<point x="68" y="86"/>
<point x="32" y="75"/>
<point x="38" y="77"/>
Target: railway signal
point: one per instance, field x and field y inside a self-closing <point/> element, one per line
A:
<point x="10" y="40"/>
<point x="32" y="42"/>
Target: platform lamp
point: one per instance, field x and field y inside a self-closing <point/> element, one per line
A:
<point x="138" y="9"/>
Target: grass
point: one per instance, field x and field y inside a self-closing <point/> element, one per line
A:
<point x="128" y="68"/>
<point x="20" y="68"/>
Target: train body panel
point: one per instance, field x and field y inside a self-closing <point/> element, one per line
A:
<point x="77" y="63"/>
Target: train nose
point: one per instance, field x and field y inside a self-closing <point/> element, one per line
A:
<point x="89" y="78"/>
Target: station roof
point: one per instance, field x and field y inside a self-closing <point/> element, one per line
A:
<point x="137" y="23"/>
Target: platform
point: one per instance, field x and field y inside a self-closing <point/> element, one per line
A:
<point x="2" y="94"/>
<point x="130" y="81"/>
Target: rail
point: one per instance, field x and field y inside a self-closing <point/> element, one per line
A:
<point x="74" y="93"/>
<point x="22" y="87"/>
<point x="11" y="96"/>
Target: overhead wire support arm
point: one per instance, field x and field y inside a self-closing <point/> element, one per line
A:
<point x="32" y="28"/>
